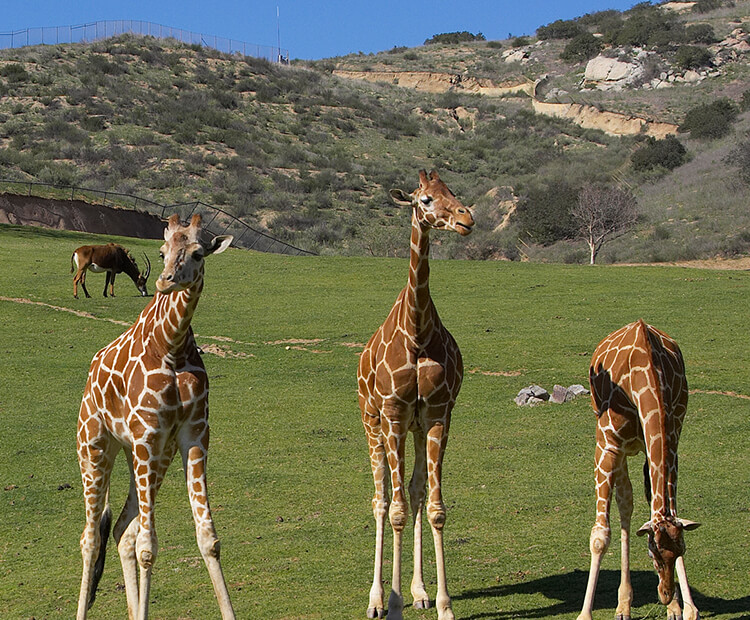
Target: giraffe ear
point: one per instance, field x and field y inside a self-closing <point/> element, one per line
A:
<point x="400" y="197"/>
<point x="688" y="525"/>
<point x="434" y="175"/>
<point x="218" y="244"/>
<point x="645" y="528"/>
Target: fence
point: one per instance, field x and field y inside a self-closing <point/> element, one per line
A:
<point x="216" y="221"/>
<point x="85" y="33"/>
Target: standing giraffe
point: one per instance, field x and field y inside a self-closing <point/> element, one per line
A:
<point x="409" y="376"/>
<point x="639" y="393"/>
<point x="147" y="394"/>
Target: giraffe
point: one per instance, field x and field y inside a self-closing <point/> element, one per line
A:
<point x="639" y="393"/>
<point x="147" y="394"/>
<point x="409" y="376"/>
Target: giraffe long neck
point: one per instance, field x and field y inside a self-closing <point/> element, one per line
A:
<point x="417" y="319"/>
<point x="653" y="421"/>
<point x="171" y="318"/>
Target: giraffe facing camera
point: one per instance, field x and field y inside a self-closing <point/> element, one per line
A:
<point x="639" y="393"/>
<point x="147" y="395"/>
<point x="409" y="376"/>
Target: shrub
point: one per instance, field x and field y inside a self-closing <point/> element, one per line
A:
<point x="15" y="73"/>
<point x="544" y="214"/>
<point x="692" y="57"/>
<point x="581" y="48"/>
<point x="455" y="37"/>
<point x="667" y="154"/>
<point x="560" y="29"/>
<point x="520" y="42"/>
<point x="704" y="6"/>
<point x="739" y="157"/>
<point x="710" y="120"/>
<point x="700" y="33"/>
<point x="495" y="45"/>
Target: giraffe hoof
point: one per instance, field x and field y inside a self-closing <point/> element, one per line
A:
<point x="421" y="604"/>
<point x="374" y="612"/>
<point x="622" y="617"/>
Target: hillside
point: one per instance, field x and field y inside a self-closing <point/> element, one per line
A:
<point x="307" y="153"/>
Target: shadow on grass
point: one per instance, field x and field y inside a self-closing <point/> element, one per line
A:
<point x="568" y="591"/>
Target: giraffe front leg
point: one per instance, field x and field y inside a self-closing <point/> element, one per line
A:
<point x="194" y="460"/>
<point x="624" y="496"/>
<point x="437" y="439"/>
<point x="689" y="610"/>
<point x="416" y="496"/>
<point x="376" y="607"/>
<point x="600" y="532"/>
<point x="395" y="433"/>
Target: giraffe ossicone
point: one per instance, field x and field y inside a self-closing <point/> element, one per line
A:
<point x="147" y="395"/>
<point x="639" y="393"/>
<point x="409" y="376"/>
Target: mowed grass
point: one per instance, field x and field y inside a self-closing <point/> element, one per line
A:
<point x="289" y="476"/>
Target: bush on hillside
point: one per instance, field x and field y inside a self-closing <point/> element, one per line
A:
<point x="581" y="48"/>
<point x="692" y="57"/>
<point x="654" y="154"/>
<point x="520" y="42"/>
<point x="700" y="33"/>
<point x="704" y="6"/>
<point x="544" y="214"/>
<point x="560" y="29"/>
<point x="739" y="157"/>
<point x="710" y="120"/>
<point x="455" y="37"/>
<point x="15" y="73"/>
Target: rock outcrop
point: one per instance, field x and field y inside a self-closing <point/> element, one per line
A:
<point x="611" y="123"/>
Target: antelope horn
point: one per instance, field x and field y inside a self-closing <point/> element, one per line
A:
<point x="148" y="267"/>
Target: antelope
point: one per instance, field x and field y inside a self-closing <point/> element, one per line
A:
<point x="111" y="258"/>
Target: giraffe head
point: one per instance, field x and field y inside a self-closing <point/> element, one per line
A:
<point x="434" y="205"/>
<point x="665" y="545"/>
<point x="183" y="253"/>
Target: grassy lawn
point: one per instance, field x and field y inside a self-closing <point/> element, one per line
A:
<point x="288" y="471"/>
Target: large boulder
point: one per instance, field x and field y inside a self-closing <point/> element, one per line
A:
<point x="611" y="73"/>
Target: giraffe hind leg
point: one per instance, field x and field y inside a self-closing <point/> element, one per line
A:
<point x="125" y="534"/>
<point x="96" y="453"/>
<point x="105" y="526"/>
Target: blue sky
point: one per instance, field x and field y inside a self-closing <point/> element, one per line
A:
<point x="313" y="29"/>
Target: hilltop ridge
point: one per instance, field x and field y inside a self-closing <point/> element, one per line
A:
<point x="308" y="154"/>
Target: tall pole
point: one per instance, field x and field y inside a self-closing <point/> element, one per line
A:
<point x="278" y="36"/>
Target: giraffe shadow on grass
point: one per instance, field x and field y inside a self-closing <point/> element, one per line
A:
<point x="566" y="592"/>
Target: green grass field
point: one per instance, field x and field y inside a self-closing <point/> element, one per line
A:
<point x="288" y="471"/>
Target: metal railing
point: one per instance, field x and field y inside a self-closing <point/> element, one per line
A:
<point x="94" y="31"/>
<point x="216" y="221"/>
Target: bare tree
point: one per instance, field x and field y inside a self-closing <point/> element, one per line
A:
<point x="602" y="214"/>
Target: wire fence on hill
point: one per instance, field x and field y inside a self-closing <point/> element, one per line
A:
<point x="215" y="221"/>
<point x="94" y="31"/>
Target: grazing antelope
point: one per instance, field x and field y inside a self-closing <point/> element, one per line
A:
<point x="111" y="258"/>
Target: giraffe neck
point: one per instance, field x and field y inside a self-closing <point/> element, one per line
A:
<point x="172" y="315"/>
<point x="653" y="421"/>
<point x="417" y="318"/>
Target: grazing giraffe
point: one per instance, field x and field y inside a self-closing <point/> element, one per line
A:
<point x="409" y="376"/>
<point x="147" y="394"/>
<point x="639" y="393"/>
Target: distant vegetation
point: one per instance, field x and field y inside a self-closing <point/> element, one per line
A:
<point x="309" y="157"/>
<point x="455" y="37"/>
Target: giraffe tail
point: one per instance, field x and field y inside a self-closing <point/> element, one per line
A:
<point x="104" y="528"/>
